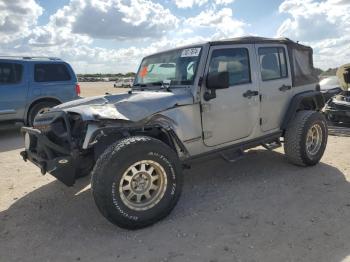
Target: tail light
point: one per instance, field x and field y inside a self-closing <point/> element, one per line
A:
<point x="77" y="89"/>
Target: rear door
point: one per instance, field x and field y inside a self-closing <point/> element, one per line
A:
<point x="275" y="84"/>
<point x="233" y="114"/>
<point x="13" y="91"/>
<point x="54" y="80"/>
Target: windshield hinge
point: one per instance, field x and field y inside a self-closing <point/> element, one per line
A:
<point x="205" y="108"/>
<point x="207" y="134"/>
<point x="200" y="81"/>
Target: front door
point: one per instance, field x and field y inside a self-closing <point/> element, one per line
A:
<point x="275" y="84"/>
<point x="13" y="91"/>
<point x="234" y="112"/>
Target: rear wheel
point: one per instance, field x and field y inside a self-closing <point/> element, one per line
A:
<point x="39" y="108"/>
<point x="306" y="138"/>
<point x="136" y="182"/>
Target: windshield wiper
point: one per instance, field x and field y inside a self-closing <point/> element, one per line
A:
<point x="149" y="84"/>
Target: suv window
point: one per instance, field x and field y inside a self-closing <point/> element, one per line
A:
<point x="51" y="72"/>
<point x="233" y="60"/>
<point x="10" y="73"/>
<point x="273" y="63"/>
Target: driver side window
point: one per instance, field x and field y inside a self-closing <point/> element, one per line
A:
<point x="233" y="60"/>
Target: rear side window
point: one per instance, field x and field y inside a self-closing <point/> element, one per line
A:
<point x="51" y="73"/>
<point x="273" y="63"/>
<point x="233" y="60"/>
<point x="10" y="73"/>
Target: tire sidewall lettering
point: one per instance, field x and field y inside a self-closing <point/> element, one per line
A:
<point x="117" y="205"/>
<point x="171" y="168"/>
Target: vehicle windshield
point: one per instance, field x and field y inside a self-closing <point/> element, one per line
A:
<point x="177" y="67"/>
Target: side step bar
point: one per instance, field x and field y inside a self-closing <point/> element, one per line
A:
<point x="234" y="155"/>
<point x="273" y="145"/>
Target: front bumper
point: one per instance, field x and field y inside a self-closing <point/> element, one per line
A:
<point x="338" y="115"/>
<point x="338" y="111"/>
<point x="48" y="156"/>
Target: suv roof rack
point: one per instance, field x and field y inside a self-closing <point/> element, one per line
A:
<point x="31" y="57"/>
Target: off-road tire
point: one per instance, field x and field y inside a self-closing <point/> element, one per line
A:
<point x="109" y="170"/>
<point x="37" y="108"/>
<point x="296" y="134"/>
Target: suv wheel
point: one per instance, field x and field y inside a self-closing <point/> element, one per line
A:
<point x="136" y="182"/>
<point x="306" y="138"/>
<point x="39" y="108"/>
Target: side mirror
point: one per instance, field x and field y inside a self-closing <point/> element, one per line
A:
<point x="347" y="77"/>
<point x="218" y="80"/>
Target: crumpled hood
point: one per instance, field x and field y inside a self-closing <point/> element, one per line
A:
<point x="134" y="107"/>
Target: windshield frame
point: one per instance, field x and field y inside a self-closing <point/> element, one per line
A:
<point x="157" y="86"/>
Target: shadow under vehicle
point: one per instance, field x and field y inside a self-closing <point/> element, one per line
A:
<point x="190" y="103"/>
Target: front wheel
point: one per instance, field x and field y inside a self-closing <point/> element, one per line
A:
<point x="136" y="182"/>
<point x="306" y="138"/>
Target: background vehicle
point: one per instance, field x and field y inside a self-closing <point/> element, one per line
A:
<point x="30" y="85"/>
<point x="124" y="82"/>
<point x="337" y="108"/>
<point x="330" y="87"/>
<point x="213" y="99"/>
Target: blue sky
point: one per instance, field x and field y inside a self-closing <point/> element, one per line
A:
<point x="113" y="35"/>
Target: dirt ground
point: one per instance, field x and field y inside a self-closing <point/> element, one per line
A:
<point x="260" y="208"/>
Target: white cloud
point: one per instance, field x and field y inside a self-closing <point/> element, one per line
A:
<point x="222" y="21"/>
<point x="16" y="18"/>
<point x="72" y="30"/>
<point x="191" y="3"/>
<point x="322" y="24"/>
<point x="223" y="2"/>
<point x="83" y="20"/>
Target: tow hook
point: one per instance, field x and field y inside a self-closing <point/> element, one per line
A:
<point x="24" y="155"/>
<point x="43" y="168"/>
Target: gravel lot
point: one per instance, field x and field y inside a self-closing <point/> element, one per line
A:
<point x="260" y="208"/>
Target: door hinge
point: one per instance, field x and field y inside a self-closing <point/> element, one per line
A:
<point x="260" y="121"/>
<point x="260" y="97"/>
<point x="200" y="81"/>
<point x="205" y="108"/>
<point x="207" y="134"/>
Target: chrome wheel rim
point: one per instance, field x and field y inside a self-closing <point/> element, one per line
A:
<point x="143" y="185"/>
<point x="314" y="140"/>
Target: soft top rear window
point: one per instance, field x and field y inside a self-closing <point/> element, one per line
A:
<point x="51" y="73"/>
<point x="302" y="65"/>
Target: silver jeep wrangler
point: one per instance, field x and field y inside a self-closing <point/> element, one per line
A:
<point x="215" y="98"/>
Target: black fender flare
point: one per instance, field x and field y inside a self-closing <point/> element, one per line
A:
<point x="315" y="96"/>
<point x="166" y="126"/>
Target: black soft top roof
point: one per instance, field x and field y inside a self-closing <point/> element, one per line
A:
<point x="259" y="40"/>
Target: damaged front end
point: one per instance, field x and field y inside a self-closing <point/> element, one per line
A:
<point x="54" y="143"/>
<point x="337" y="109"/>
<point x="67" y="140"/>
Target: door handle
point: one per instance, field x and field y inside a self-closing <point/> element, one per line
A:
<point x="285" y="88"/>
<point x="250" y="93"/>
